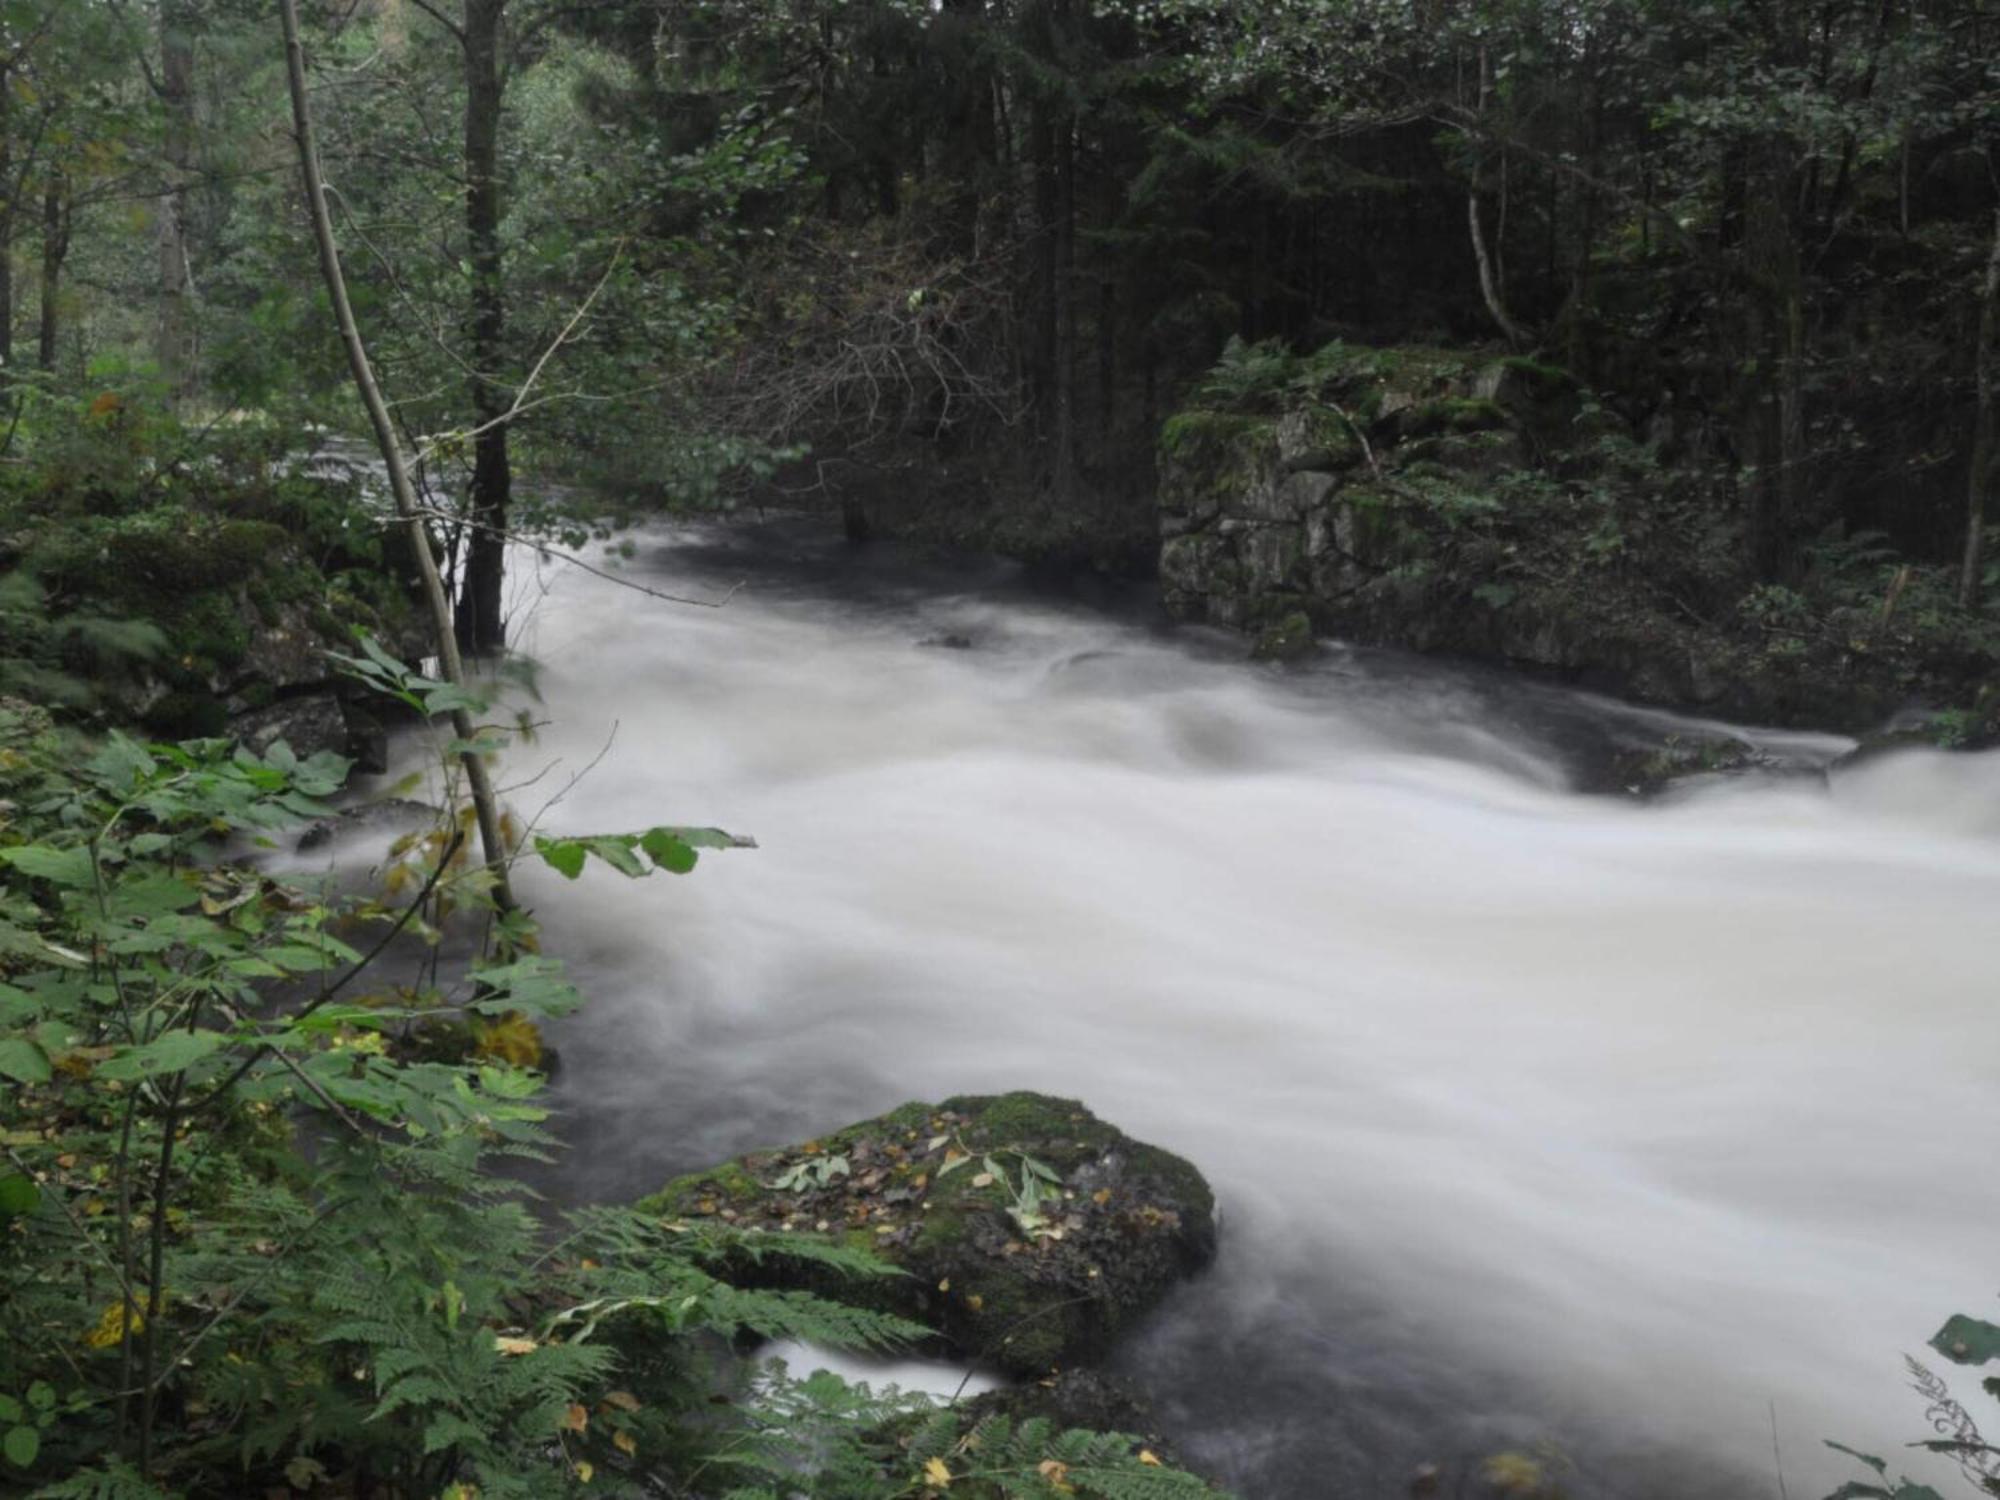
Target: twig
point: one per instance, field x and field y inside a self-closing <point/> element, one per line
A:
<point x="535" y="374"/>
<point x="543" y="549"/>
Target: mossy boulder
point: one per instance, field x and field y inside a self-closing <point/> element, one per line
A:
<point x="1032" y="1233"/>
<point x="1289" y="638"/>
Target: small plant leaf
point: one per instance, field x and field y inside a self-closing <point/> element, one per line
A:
<point x="1967" y="1341"/>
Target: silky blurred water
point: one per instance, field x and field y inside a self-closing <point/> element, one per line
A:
<point x="1534" y="1115"/>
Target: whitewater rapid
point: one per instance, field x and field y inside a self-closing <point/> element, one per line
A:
<point x="1532" y="1114"/>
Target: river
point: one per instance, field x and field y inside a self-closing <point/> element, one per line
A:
<point x="1652" y="1131"/>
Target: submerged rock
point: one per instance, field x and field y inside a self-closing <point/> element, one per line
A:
<point x="1033" y="1233"/>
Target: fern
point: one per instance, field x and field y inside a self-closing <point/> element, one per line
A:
<point x="115" y="1481"/>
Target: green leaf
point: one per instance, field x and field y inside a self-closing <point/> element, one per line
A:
<point x="21" y="1445"/>
<point x="42" y="1396"/>
<point x="448" y="697"/>
<point x="1967" y="1341"/>
<point x="616" y="852"/>
<point x="1880" y="1466"/>
<point x="18" y="1196"/>
<point x="23" y="1061"/>
<point x="566" y="856"/>
<point x="171" y="1053"/>
<point x="668" y="850"/>
<point x="10" y="1409"/>
<point x="707" y="838"/>
<point x="70" y="867"/>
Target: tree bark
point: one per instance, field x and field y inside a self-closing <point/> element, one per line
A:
<point x="484" y="806"/>
<point x="8" y="200"/>
<point x="1774" y="428"/>
<point x="1980" y="474"/>
<point x="174" y="347"/>
<point x="55" y="250"/>
<point x="481" y="621"/>
<point x="1491" y="289"/>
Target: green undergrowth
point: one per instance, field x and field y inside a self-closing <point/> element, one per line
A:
<point x="250" y="1243"/>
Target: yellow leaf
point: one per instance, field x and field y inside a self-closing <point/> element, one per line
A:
<point x="111" y="1327"/>
<point x="1148" y="1457"/>
<point x="625" y="1443"/>
<point x="936" y="1473"/>
<point x="511" y="1039"/>
<point x="622" y="1400"/>
<point x="583" y="1472"/>
<point x="984" y="1179"/>
<point x="575" y="1418"/>
<point x="975" y="1302"/>
<point x="945" y="1285"/>
<point x="1513" y="1474"/>
<point x="1053" y="1471"/>
<point x="513" y="1346"/>
<point x="1101" y="1196"/>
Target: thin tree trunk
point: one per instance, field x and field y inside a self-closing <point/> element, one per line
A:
<point x="7" y="208"/>
<point x="392" y="452"/>
<point x="1774" y="438"/>
<point x="1980" y="475"/>
<point x="1490" y="288"/>
<point x="55" y="249"/>
<point x="174" y="338"/>
<point x="481" y="623"/>
<point x="1065" y="352"/>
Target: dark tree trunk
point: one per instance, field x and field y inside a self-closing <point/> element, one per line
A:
<point x="174" y="338"/>
<point x="8" y="200"/>
<point x="1980" y="473"/>
<point x="1063" y="466"/>
<point x="55" y="249"/>
<point x="1772" y="413"/>
<point x="481" y="623"/>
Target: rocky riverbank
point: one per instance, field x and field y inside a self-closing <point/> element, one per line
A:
<point x="1489" y="508"/>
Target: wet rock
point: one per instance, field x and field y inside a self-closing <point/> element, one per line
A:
<point x="1033" y="1233"/>
<point x="314" y="722"/>
<point x="1089" y="1399"/>
<point x="1649" y="770"/>
<point x="311" y="725"/>
<point x="1290" y="638"/>
<point x="392" y="815"/>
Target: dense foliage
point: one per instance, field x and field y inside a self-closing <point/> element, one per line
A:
<point x="254" y="1227"/>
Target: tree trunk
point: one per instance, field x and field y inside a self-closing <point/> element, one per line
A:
<point x="481" y="786"/>
<point x="8" y="200"/>
<point x="1063" y="469"/>
<point x="55" y="249"/>
<point x="481" y="624"/>
<point x="1980" y="475"/>
<point x="1491" y="289"/>
<point x="174" y="338"/>
<point x="1773" y="414"/>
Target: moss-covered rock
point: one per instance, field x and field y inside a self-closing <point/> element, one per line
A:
<point x="1032" y="1232"/>
<point x="1440" y="501"/>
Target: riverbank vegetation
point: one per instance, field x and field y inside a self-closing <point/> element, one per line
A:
<point x="1651" y="345"/>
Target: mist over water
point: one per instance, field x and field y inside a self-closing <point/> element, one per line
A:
<point x="1532" y="1114"/>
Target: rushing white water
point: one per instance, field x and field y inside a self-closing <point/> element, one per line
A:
<point x="1532" y="1113"/>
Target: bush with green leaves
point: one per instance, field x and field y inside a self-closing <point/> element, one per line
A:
<point x="251" y="1236"/>
<point x="1966" y="1341"/>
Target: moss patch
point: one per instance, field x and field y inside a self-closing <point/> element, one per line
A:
<point x="1033" y="1233"/>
